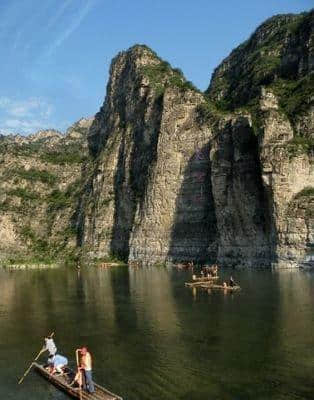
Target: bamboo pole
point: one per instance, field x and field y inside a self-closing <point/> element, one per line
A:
<point x="30" y="367"/>
<point x="78" y="369"/>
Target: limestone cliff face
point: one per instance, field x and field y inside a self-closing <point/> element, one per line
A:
<point x="150" y="195"/>
<point x="270" y="79"/>
<point x="288" y="177"/>
<point x="243" y="214"/>
<point x="235" y="186"/>
<point x="171" y="185"/>
<point x="263" y="189"/>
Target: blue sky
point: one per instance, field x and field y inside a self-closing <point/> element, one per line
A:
<point x="56" y="53"/>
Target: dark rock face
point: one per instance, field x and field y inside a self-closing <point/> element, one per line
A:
<point x="194" y="232"/>
<point x="242" y="209"/>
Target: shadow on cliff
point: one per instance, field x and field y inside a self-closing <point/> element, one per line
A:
<point x="243" y="205"/>
<point x="96" y="141"/>
<point x="224" y="212"/>
<point x="194" y="234"/>
<point x="136" y="160"/>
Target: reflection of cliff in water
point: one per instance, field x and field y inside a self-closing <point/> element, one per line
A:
<point x="296" y="291"/>
<point x="96" y="296"/>
<point x="295" y="333"/>
<point x="232" y="339"/>
<point x="151" y="292"/>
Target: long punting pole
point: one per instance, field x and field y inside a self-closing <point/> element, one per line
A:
<point x="30" y="367"/>
<point x="78" y="366"/>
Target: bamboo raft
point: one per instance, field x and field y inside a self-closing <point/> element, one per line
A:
<point x="220" y="287"/>
<point x="201" y="281"/>
<point x="110" y="264"/>
<point x="63" y="383"/>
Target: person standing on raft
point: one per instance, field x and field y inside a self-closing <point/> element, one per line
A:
<point x="86" y="366"/>
<point x="49" y="346"/>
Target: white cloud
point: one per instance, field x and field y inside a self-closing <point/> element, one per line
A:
<point x="18" y="124"/>
<point x="24" y="116"/>
<point x="26" y="108"/>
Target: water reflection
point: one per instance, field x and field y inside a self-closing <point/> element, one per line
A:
<point x="153" y="338"/>
<point x="158" y="318"/>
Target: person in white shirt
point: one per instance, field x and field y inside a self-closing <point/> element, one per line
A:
<point x="49" y="346"/>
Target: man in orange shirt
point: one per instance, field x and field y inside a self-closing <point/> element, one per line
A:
<point x="86" y="366"/>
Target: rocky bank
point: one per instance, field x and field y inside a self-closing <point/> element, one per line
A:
<point x="167" y="173"/>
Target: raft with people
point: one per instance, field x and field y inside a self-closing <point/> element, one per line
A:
<point x="78" y="384"/>
<point x="207" y="282"/>
<point x="63" y="382"/>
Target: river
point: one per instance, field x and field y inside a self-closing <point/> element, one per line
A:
<point x="152" y="338"/>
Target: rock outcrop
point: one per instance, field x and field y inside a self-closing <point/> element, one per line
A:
<point x="150" y="194"/>
<point x="166" y="173"/>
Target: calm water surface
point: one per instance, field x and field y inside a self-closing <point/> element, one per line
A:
<point x="153" y="339"/>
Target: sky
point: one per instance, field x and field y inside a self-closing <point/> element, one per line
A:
<point x="56" y="53"/>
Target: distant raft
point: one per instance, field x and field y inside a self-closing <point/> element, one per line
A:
<point x="205" y="278"/>
<point x="200" y="281"/>
<point x="110" y="264"/>
<point x="221" y="287"/>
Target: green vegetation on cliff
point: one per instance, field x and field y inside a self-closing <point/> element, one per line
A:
<point x="70" y="154"/>
<point x="306" y="192"/>
<point x="209" y="112"/>
<point x="276" y="55"/>
<point x="24" y="194"/>
<point x="295" y="96"/>
<point x="34" y="175"/>
<point x="300" y="145"/>
<point x="40" y="184"/>
<point x="302" y="204"/>
<point x="162" y="75"/>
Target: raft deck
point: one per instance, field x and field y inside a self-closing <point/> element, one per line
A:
<point x="63" y="383"/>
<point x="110" y="264"/>
<point x="200" y="281"/>
<point x="220" y="287"/>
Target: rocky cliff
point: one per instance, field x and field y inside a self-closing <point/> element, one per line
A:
<point x="40" y="183"/>
<point x="270" y="80"/>
<point x="166" y="173"/>
<point x="150" y="195"/>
